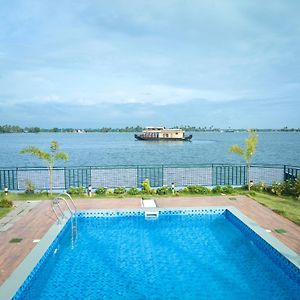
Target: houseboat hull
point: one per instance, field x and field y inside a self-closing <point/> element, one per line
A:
<point x="141" y="137"/>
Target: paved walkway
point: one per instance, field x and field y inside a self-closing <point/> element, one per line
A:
<point x="39" y="218"/>
<point x="21" y="208"/>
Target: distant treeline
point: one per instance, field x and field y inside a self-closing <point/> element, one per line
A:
<point x="18" y="129"/>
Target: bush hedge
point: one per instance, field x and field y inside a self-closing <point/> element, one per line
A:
<point x="119" y="190"/>
<point x="101" y="190"/>
<point x="5" y="202"/>
<point x="72" y="190"/>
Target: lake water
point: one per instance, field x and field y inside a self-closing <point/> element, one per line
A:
<point x="97" y="149"/>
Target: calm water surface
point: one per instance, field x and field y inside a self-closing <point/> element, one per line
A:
<point x="122" y="149"/>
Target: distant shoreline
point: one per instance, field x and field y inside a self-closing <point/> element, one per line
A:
<point x="18" y="129"/>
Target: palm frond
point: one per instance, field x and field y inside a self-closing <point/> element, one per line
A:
<point x="237" y="150"/>
<point x="31" y="150"/>
<point x="250" y="143"/>
<point x="54" y="146"/>
<point x="61" y="156"/>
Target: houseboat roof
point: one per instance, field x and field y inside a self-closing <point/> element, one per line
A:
<point x="154" y="128"/>
<point x="162" y="128"/>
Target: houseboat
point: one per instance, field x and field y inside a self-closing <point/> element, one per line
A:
<point x="162" y="134"/>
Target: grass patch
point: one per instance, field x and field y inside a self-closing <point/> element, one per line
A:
<point x="15" y="240"/>
<point x="286" y="206"/>
<point x="27" y="197"/>
<point x="280" y="230"/>
<point x="4" y="211"/>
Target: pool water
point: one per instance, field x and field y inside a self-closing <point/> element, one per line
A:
<point x="191" y="256"/>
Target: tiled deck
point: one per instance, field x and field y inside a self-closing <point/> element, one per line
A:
<point x="36" y="223"/>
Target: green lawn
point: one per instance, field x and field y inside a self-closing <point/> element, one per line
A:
<point x="288" y="207"/>
<point x="4" y="211"/>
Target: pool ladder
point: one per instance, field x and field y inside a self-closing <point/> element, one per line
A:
<point x="56" y="203"/>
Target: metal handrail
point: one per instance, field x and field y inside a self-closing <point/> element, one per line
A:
<point x="56" y="202"/>
<point x="70" y="198"/>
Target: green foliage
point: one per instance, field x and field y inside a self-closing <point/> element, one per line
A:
<point x="119" y="191"/>
<point x="276" y="188"/>
<point x="29" y="187"/>
<point x="5" y="202"/>
<point x="10" y="129"/>
<point x="250" y="147"/>
<point x="259" y="187"/>
<point x="164" y="190"/>
<point x="49" y="158"/>
<point x="296" y="188"/>
<point x="287" y="188"/>
<point x="133" y="191"/>
<point x="109" y="192"/>
<point x="291" y="188"/>
<point x="196" y="189"/>
<point x="228" y="189"/>
<point x="101" y="190"/>
<point x="217" y="189"/>
<point x="146" y="188"/>
<point x="247" y="152"/>
<point x="72" y="190"/>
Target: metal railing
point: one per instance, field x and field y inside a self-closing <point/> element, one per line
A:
<point x="56" y="204"/>
<point x="128" y="176"/>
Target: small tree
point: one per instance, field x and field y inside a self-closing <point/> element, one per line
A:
<point x="48" y="157"/>
<point x="247" y="152"/>
<point x="146" y="188"/>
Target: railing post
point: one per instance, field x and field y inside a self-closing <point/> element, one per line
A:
<point x="16" y="181"/>
<point x="65" y="177"/>
<point x="90" y="176"/>
<point x="284" y="172"/>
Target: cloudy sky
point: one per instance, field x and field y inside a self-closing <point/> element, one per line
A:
<point x="117" y="63"/>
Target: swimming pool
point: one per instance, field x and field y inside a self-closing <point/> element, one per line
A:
<point x="185" y="254"/>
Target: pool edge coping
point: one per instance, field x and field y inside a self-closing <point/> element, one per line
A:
<point x="12" y="284"/>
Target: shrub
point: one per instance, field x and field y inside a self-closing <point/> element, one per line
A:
<point x="101" y="190"/>
<point x="296" y="188"/>
<point x="153" y="191"/>
<point x="133" y="191"/>
<point x="196" y="189"/>
<point x="72" y="190"/>
<point x="228" y="189"/>
<point x="163" y="190"/>
<point x="146" y="188"/>
<point x="119" y="190"/>
<point x="291" y="187"/>
<point x="29" y="187"/>
<point x="276" y="188"/>
<point x="217" y="189"/>
<point x="5" y="201"/>
<point x="259" y="187"/>
<point x="109" y="192"/>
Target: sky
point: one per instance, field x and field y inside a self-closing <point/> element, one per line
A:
<point x="114" y="63"/>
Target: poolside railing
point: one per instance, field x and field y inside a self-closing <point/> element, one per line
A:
<point x="133" y="175"/>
